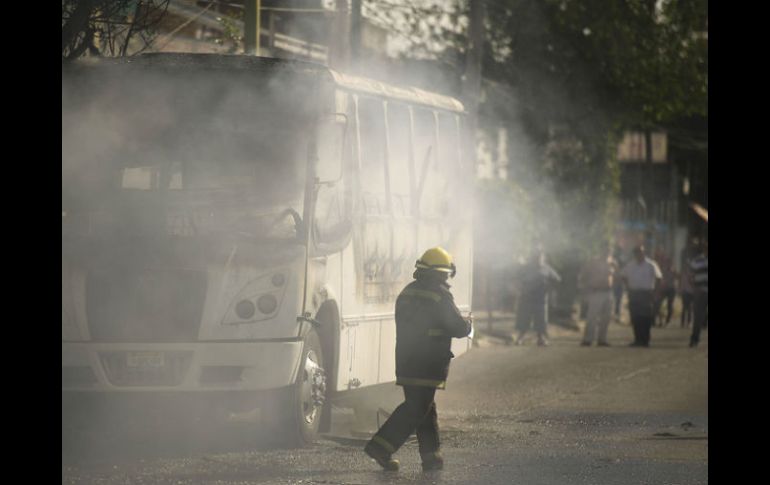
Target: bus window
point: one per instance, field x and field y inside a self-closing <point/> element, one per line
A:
<point x="449" y="159"/>
<point x="400" y="163"/>
<point x="371" y="119"/>
<point x="140" y="178"/>
<point x="424" y="150"/>
<point x="431" y="170"/>
<point x="332" y="213"/>
<point x="449" y="139"/>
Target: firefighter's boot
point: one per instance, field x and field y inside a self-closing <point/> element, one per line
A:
<point x="432" y="461"/>
<point x="381" y="456"/>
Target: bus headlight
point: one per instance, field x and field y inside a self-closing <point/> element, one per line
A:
<point x="267" y="304"/>
<point x="245" y="309"/>
<point x="278" y="280"/>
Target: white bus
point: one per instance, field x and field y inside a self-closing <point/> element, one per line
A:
<point x="236" y="230"/>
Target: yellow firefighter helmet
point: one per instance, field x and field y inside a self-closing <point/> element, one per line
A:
<point x="437" y="259"/>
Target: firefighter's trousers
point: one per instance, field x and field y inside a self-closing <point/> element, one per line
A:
<point x="416" y="413"/>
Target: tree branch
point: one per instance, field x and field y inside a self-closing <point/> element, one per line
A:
<point x="76" y="23"/>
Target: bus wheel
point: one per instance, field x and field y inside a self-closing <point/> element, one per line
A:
<point x="309" y="393"/>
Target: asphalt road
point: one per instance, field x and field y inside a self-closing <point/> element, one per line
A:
<point x="562" y="414"/>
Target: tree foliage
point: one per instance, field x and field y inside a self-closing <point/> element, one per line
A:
<point x="636" y="61"/>
<point x="109" y="27"/>
<point x="581" y="72"/>
<point x="650" y="57"/>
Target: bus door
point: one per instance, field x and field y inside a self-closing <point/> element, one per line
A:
<point x="368" y="299"/>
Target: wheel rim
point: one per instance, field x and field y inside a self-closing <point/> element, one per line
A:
<point x="313" y="390"/>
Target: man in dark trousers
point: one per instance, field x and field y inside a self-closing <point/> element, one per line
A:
<point x="699" y="276"/>
<point x="426" y="321"/>
<point x="535" y="279"/>
<point x="642" y="278"/>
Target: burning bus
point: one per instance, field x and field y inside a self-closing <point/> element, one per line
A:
<point x="236" y="229"/>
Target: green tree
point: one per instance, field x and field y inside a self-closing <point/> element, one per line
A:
<point x="581" y="72"/>
<point x="649" y="57"/>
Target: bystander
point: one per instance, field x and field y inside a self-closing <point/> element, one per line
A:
<point x="641" y="276"/>
<point x="667" y="291"/>
<point x="595" y="281"/>
<point x="699" y="270"/>
<point x="534" y="278"/>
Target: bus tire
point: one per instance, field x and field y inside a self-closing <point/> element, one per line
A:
<point x="308" y="394"/>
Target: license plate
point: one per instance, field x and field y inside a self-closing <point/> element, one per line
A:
<point x="145" y="359"/>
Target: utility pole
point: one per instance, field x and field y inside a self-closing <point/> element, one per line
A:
<point x="674" y="209"/>
<point x="355" y="31"/>
<point x="339" y="40"/>
<point x="650" y="199"/>
<point x="251" y="23"/>
<point x="471" y="90"/>
<point x="471" y="80"/>
<point x="471" y="86"/>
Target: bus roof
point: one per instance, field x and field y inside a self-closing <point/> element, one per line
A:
<point x="348" y="82"/>
<point x="406" y="93"/>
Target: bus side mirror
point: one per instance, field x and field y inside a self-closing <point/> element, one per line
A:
<point x="332" y="139"/>
<point x="333" y="239"/>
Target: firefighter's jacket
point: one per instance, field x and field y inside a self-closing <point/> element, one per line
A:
<point x="426" y="321"/>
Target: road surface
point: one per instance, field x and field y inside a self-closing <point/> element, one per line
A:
<point x="529" y="415"/>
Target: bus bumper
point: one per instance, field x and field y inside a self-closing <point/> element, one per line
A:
<point x="203" y="367"/>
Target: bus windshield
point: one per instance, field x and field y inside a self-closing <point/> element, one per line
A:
<point x="183" y="130"/>
<point x="186" y="131"/>
<point x="258" y="157"/>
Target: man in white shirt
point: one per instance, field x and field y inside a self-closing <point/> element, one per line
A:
<point x="641" y="277"/>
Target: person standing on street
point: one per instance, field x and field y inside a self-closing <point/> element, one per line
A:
<point x="642" y="277"/>
<point x="667" y="290"/>
<point x="617" y="288"/>
<point x="699" y="271"/>
<point x="686" y="292"/>
<point x="426" y="321"/>
<point x="535" y="278"/>
<point x="596" y="280"/>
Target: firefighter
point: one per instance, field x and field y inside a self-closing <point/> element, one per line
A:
<point x="426" y="321"/>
